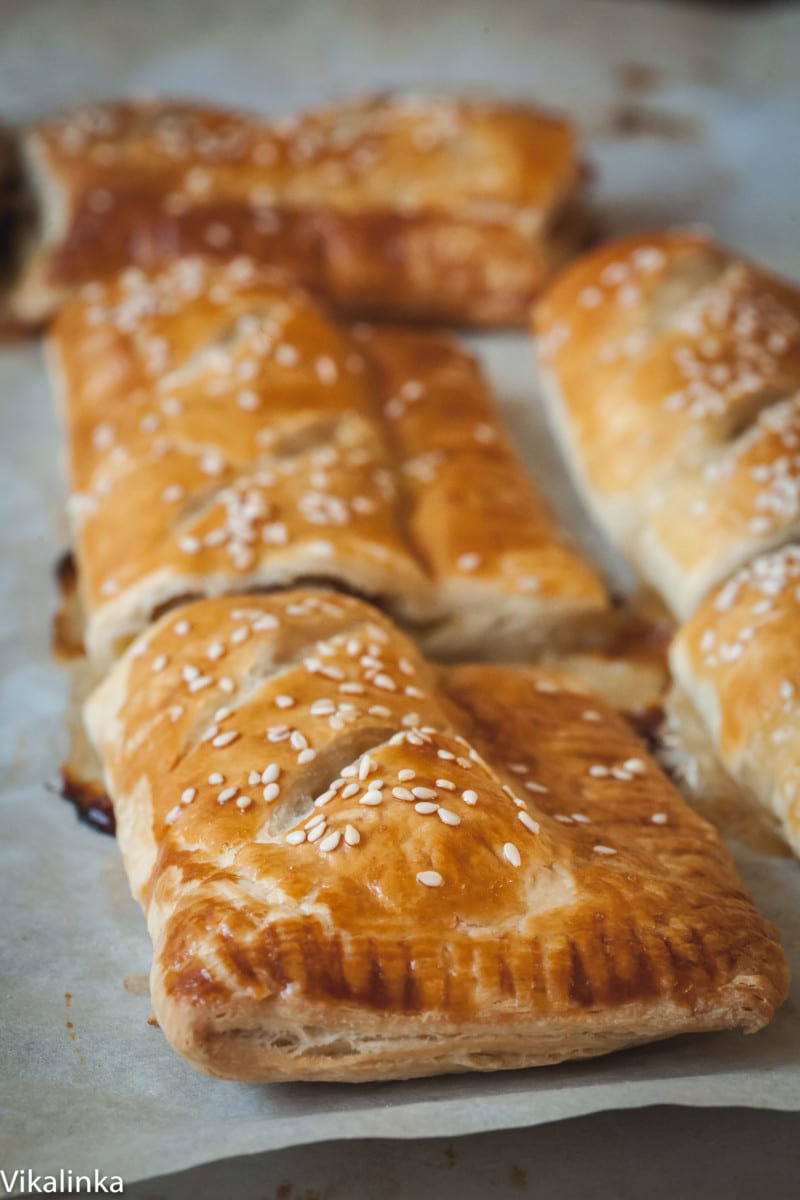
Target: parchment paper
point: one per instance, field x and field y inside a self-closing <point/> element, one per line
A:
<point x="690" y="116"/>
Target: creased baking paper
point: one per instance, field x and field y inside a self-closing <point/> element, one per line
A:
<point x="85" y="1082"/>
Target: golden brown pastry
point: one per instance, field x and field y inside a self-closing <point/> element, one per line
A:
<point x="672" y="370"/>
<point x="737" y="662"/>
<point x="355" y="866"/>
<point x="401" y="206"/>
<point x="224" y="435"/>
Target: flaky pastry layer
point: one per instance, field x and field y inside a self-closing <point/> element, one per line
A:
<point x="224" y="435"/>
<point x="672" y="369"/>
<point x="358" y="866"/>
<point x="404" y="207"/>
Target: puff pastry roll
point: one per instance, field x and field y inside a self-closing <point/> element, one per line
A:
<point x="357" y="867"/>
<point x="224" y="435"/>
<point x="672" y="370"/>
<point x="737" y="661"/>
<point x="429" y="208"/>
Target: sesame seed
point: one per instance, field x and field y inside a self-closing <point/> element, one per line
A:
<point x="277" y="733"/>
<point x="446" y="784"/>
<point x="401" y="793"/>
<point x="181" y="628"/>
<point x="271" y="773"/>
<point x="253" y="778"/>
<point x="469" y="796"/>
<point x="271" y="792"/>
<point x="307" y="755"/>
<point x="296" y="837"/>
<point x="447" y="817"/>
<point x="511" y="854"/>
<point x="159" y="662"/>
<point x="244" y="802"/>
<point x="385" y="683"/>
<point x="322" y="800"/>
<point x="371" y="799"/>
<point x="314" y="821"/>
<point x="469" y="562"/>
<point x="426" y="807"/>
<point x="351" y="835"/>
<point x="284" y="701"/>
<point x="447" y="755"/>
<point x="533" y="786"/>
<point x="581" y="818"/>
<point x="659" y="818"/>
<point x="188" y="795"/>
<point x="226" y="794"/>
<point x="430" y="879"/>
<point x="298" y="740"/>
<point x="599" y="772"/>
<point x="216" y="777"/>
<point x="423" y="793"/>
<point x="352" y="789"/>
<point x="172" y="815"/>
<point x="331" y="841"/>
<point x="225" y="739"/>
<point x="528" y="821"/>
<point x="604" y="850"/>
<point x="200" y="682"/>
<point x="317" y="832"/>
<point x="406" y="774"/>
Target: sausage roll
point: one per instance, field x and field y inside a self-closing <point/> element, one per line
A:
<point x="224" y="435"/>
<point x="355" y="866"/>
<point x="672" y="370"/>
<point x="737" y="662"/>
<point x="408" y="207"/>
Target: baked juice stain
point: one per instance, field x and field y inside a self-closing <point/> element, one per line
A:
<point x="89" y="800"/>
<point x="72" y="1035"/>
<point x="67" y="636"/>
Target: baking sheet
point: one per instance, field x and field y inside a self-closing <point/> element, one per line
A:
<point x="691" y="115"/>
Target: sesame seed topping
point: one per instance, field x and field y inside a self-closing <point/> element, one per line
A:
<point x="401" y="793"/>
<point x="431" y="879"/>
<point x="469" y="562"/>
<point x="284" y="701"/>
<point x="604" y="850"/>
<point x="351" y="835"/>
<point x="270" y="792"/>
<point x="270" y="773"/>
<point x="511" y="854"/>
<point x="226" y="794"/>
<point x="405" y="774"/>
<point x="181" y="628"/>
<point x="352" y="789"/>
<point x="422" y="793"/>
<point x="317" y="832"/>
<point x="426" y="807"/>
<point x="296" y="837"/>
<point x="243" y="802"/>
<point x="307" y="755"/>
<point x="371" y="799"/>
<point x="447" y="817"/>
<point x="159" y="662"/>
<point x="225" y="739"/>
<point x="172" y="815"/>
<point x="446" y="784"/>
<point x="188" y="795"/>
<point x="331" y="841"/>
<point x="528" y="821"/>
<point x="216" y="777"/>
<point x="469" y="796"/>
<point x="659" y="818"/>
